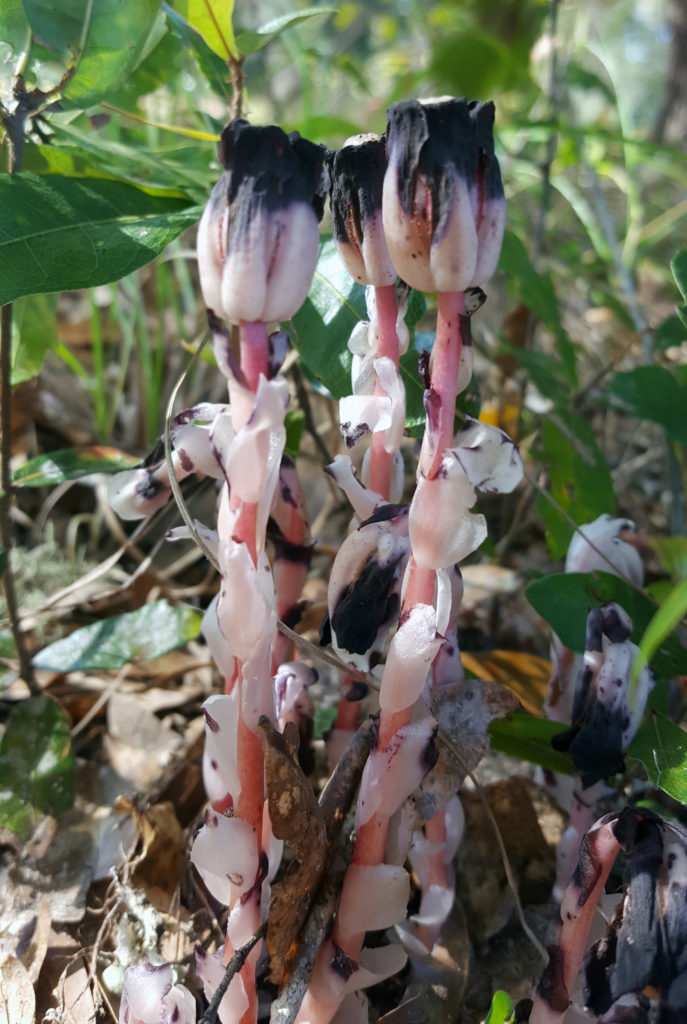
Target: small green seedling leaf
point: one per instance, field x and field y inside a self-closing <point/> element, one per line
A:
<point x="71" y="464"/>
<point x="529" y="739"/>
<point x="323" y="721"/>
<point x="661" y="746"/>
<point x="501" y="1010"/>
<point x="565" y="599"/>
<point x="142" y="635"/>
<point x="36" y="765"/>
<point x="294" y="422"/>
<point x="673" y="608"/>
<point x="59" y="233"/>
<point x="251" y="42"/>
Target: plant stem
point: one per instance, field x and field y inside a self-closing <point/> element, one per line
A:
<point x="14" y="125"/>
<point x="233" y="967"/>
<point x="381" y="461"/>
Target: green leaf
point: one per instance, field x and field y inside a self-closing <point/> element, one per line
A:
<point x="536" y="291"/>
<point x="654" y="393"/>
<point x="212" y="67"/>
<point x="323" y="721"/>
<point x="14" y="29"/>
<point x="580" y="482"/>
<point x="671" y="332"/>
<point x="565" y="599"/>
<point x="116" y="41"/>
<point x="58" y="25"/>
<point x="335" y="304"/>
<point x="60" y="233"/>
<point x="251" y="42"/>
<point x="672" y="554"/>
<point x="71" y="464"/>
<point x="34" y="331"/>
<point x="501" y="1010"/>
<point x="661" y="626"/>
<point x="678" y="266"/>
<point x="529" y="739"/>
<point x="147" y="633"/>
<point x="294" y="422"/>
<point x="36" y="765"/>
<point x="323" y="326"/>
<point x="212" y="19"/>
<point x="661" y="746"/>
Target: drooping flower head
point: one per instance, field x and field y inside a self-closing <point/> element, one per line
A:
<point x="357" y="176"/>
<point x="443" y="207"/>
<point x="258" y="237"/>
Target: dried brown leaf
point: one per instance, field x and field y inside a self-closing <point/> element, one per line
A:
<point x="17" y="999"/>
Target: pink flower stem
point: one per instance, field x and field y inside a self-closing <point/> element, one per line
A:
<point x="254" y="352"/>
<point x="381" y="460"/>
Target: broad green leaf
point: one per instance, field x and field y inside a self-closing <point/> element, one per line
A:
<point x="115" y="42"/>
<point x="661" y="746"/>
<point x="661" y="626"/>
<point x="580" y="482"/>
<point x="654" y="393"/>
<point x="59" y="233"/>
<point x="14" y="32"/>
<point x="335" y="304"/>
<point x="36" y="765"/>
<point x="529" y="739"/>
<point x="501" y="1010"/>
<point x="147" y="633"/>
<point x="536" y="291"/>
<point x="251" y="42"/>
<point x="34" y="331"/>
<point x="213" y="68"/>
<point x="565" y="599"/>
<point x="71" y="464"/>
<point x="672" y="554"/>
<point x="59" y="25"/>
<point x="671" y="332"/>
<point x="213" y="20"/>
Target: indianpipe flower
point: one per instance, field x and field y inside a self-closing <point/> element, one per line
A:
<point x="597" y="546"/>
<point x="638" y="970"/>
<point x="258" y="238"/>
<point x="606" y="716"/>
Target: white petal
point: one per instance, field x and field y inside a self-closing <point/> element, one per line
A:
<point x="363" y="500"/>
<point x="489" y="239"/>
<point x="192" y="442"/>
<point x="377" y="964"/>
<point x="453" y="255"/>
<point x="408" y="243"/>
<point x="225" y="854"/>
<point x="391" y="775"/>
<point x="244" y="275"/>
<point x="145" y="988"/>
<point x="488" y="456"/>
<point x="604" y="534"/>
<point x="251" y="456"/>
<point x="435" y="905"/>
<point x="373" y="897"/>
<point x="442" y="529"/>
<point x="363" y="414"/>
<point x="246" y="599"/>
<point x="220" y="770"/>
<point x="292" y="262"/>
<point x="390" y="380"/>
<point x="411" y="653"/>
<point x="211" y="232"/>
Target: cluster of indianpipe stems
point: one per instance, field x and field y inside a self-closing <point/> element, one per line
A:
<point x="423" y="204"/>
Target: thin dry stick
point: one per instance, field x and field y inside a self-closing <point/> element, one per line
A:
<point x="233" y="967"/>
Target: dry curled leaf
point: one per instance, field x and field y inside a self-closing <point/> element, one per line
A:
<point x="463" y="712"/>
<point x="527" y="675"/>
<point x="17" y="999"/>
<point x="297" y="819"/>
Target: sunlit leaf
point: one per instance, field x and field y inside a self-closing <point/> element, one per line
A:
<point x="58" y="25"/>
<point x="251" y="42"/>
<point x="14" y="26"/>
<point x="59" y="233"/>
<point x="36" y="765"/>
<point x="34" y="331"/>
<point x="115" y="42"/>
<point x="147" y="633"/>
<point x="565" y="599"/>
<point x="525" y="674"/>
<point x="212" y="19"/>
<point x="213" y="68"/>
<point x="654" y="393"/>
<point x="672" y="553"/>
<point x="661" y="626"/>
<point x="661" y="746"/>
<point x="501" y="1010"/>
<point x="529" y="739"/>
<point x="71" y="464"/>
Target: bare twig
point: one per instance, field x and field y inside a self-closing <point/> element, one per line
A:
<point x="233" y="967"/>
